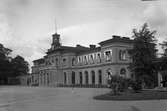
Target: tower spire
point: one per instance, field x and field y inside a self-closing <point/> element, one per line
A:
<point x="55" y="25"/>
<point x="55" y="38"/>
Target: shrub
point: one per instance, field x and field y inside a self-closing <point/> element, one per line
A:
<point x="119" y="84"/>
<point x="136" y="85"/>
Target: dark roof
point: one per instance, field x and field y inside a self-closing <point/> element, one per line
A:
<point x="116" y="39"/>
<point x="76" y="49"/>
<point x="97" y="49"/>
<point x="41" y="60"/>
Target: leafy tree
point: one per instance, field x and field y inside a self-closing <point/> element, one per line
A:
<point x="5" y="66"/>
<point x="10" y="67"/>
<point x="20" y="66"/>
<point x="143" y="53"/>
<point x="164" y="47"/>
<point x="162" y="63"/>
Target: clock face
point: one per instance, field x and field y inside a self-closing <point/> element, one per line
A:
<point x="56" y="39"/>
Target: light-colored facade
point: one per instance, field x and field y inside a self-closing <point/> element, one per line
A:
<point x="80" y="65"/>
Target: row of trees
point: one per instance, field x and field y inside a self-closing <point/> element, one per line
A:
<point x="143" y="66"/>
<point x="11" y="67"/>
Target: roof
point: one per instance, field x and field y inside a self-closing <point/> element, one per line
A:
<point x="76" y="49"/>
<point x="41" y="60"/>
<point x="117" y="39"/>
<point x="97" y="49"/>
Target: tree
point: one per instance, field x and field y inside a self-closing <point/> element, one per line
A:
<point x="143" y="53"/>
<point x="20" y="66"/>
<point x="10" y="67"/>
<point x="164" y="47"/>
<point x="5" y="66"/>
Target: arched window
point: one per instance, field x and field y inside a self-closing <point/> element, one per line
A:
<point x="86" y="77"/>
<point x="56" y="61"/>
<point x="109" y="74"/>
<point x="65" y="78"/>
<point x="80" y="77"/>
<point x="64" y="60"/>
<point x="93" y="77"/>
<point x="100" y="77"/>
<point x="73" y="77"/>
<point x="123" y="72"/>
<point x="48" y="78"/>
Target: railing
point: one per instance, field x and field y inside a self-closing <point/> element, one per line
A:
<point x="83" y="85"/>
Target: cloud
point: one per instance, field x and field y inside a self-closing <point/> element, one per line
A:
<point x="27" y="26"/>
<point x="156" y="16"/>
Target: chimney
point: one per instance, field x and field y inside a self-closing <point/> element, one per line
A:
<point x="92" y="46"/>
<point x="78" y="45"/>
<point x="116" y="37"/>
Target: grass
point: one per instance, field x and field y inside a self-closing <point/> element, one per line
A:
<point x="129" y="96"/>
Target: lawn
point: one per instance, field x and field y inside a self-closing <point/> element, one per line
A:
<point x="129" y="96"/>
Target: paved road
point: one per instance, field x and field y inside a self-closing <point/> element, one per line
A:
<point x="66" y="99"/>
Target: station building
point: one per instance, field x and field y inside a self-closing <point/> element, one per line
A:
<point x="80" y="65"/>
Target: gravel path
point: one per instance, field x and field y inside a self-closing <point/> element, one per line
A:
<point x="66" y="99"/>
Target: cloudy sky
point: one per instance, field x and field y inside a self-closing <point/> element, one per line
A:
<point x="26" y="26"/>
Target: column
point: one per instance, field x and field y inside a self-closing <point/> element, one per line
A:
<point x="159" y="79"/>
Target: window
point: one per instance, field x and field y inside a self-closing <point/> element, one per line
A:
<point x="99" y="57"/>
<point x="109" y="74"/>
<point x="85" y="59"/>
<point x="48" y="78"/>
<point x="73" y="61"/>
<point x="64" y="61"/>
<point x="91" y="58"/>
<point x="123" y="72"/>
<point x="80" y="76"/>
<point x="100" y="77"/>
<point x="79" y="59"/>
<point x="86" y="77"/>
<point x="108" y="55"/>
<point x="57" y="61"/>
<point x="65" y="78"/>
<point x="93" y="77"/>
<point x="122" y="54"/>
<point x="73" y="77"/>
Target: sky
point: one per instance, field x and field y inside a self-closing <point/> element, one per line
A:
<point x="26" y="26"/>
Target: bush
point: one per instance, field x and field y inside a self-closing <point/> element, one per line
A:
<point x="119" y="84"/>
<point x="136" y="85"/>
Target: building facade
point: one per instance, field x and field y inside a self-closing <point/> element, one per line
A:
<point x="64" y="65"/>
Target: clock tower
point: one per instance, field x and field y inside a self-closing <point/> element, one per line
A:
<point x="55" y="41"/>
